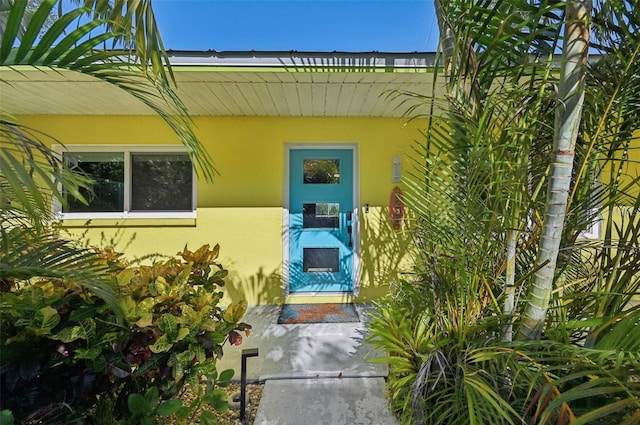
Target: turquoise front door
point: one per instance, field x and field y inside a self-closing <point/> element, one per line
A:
<point x="321" y="220"/>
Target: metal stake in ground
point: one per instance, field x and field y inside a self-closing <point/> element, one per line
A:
<point x="251" y="352"/>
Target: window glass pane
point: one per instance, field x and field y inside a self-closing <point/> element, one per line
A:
<point x="324" y="215"/>
<point x="106" y="169"/>
<point x="321" y="260"/>
<point x="161" y="182"/>
<point x="321" y="171"/>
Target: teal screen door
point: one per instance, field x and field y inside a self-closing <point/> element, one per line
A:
<point x="320" y="220"/>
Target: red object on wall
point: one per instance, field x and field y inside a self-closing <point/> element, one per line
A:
<point x="396" y="208"/>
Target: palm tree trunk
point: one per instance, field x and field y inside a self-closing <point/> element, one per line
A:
<point x="447" y="39"/>
<point x="448" y="48"/>
<point x="510" y="273"/>
<point x="570" y="98"/>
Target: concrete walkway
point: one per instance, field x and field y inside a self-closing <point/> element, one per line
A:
<point x="313" y="374"/>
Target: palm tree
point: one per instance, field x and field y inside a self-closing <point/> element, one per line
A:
<point x="31" y="173"/>
<point x="575" y="53"/>
<point x="483" y="62"/>
<point x="479" y="192"/>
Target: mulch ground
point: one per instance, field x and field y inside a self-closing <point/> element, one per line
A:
<point x="231" y="416"/>
<point x="253" y="396"/>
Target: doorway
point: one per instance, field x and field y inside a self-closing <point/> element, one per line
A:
<point x="321" y="222"/>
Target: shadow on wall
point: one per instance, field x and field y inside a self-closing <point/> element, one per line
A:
<point x="385" y="252"/>
<point x="115" y="239"/>
<point x="385" y="256"/>
<point x="258" y="289"/>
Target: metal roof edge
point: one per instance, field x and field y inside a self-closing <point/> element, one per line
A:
<point x="310" y="59"/>
<point x="297" y="59"/>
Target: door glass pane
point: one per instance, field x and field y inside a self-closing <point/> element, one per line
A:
<point x="161" y="182"/>
<point x="320" y="260"/>
<point x="321" y="171"/>
<point x="106" y="170"/>
<point x="323" y="215"/>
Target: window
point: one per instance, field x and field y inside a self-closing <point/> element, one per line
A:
<point x="321" y="171"/>
<point x="592" y="231"/>
<point x="589" y="208"/>
<point x="322" y="215"/>
<point x="132" y="181"/>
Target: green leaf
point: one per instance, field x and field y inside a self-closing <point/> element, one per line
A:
<point x="185" y="358"/>
<point x="137" y="404"/>
<point x="218" y="336"/>
<point x="226" y="375"/>
<point x="128" y="306"/>
<point x="66" y="43"/>
<point x="146" y="319"/>
<point x="47" y="317"/>
<point x="586" y="323"/>
<point x="124" y="277"/>
<point x="159" y="287"/>
<point x="146" y="305"/>
<point x="69" y="334"/>
<point x="87" y="312"/>
<point x="235" y="311"/>
<point x="89" y="328"/>
<point x="161" y="345"/>
<point x="206" y="367"/>
<point x="169" y="407"/>
<point x="12" y="28"/>
<point x="219" y="401"/>
<point x="183" y="277"/>
<point x="73" y="58"/>
<point x="182" y="334"/>
<point x="178" y="371"/>
<point x="98" y="364"/>
<point x="54" y="33"/>
<point x="151" y="397"/>
<point x="218" y="276"/>
<point x="208" y="418"/>
<point x="169" y="325"/>
<point x="88" y="353"/>
<point x="183" y="413"/>
<point x="34" y="28"/>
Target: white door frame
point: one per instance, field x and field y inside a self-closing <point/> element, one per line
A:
<point x="356" y="212"/>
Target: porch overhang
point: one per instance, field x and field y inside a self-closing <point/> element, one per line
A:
<point x="250" y="83"/>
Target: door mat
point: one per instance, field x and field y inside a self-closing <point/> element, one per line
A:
<point x="318" y="313"/>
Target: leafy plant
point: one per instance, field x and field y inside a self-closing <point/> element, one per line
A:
<point x="169" y="336"/>
<point x="92" y="319"/>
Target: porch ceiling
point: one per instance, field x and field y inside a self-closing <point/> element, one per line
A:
<point x="239" y="84"/>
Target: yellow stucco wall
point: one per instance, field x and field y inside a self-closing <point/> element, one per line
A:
<point x="242" y="209"/>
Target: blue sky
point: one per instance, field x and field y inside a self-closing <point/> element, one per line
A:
<point x="303" y="25"/>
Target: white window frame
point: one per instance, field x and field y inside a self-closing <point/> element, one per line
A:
<point x="593" y="230"/>
<point x="128" y="150"/>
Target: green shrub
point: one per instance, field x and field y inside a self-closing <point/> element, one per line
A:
<point x="443" y="366"/>
<point x="449" y="367"/>
<point x="62" y="345"/>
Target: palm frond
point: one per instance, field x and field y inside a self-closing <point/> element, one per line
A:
<point x="68" y="45"/>
<point x="28" y="255"/>
<point x="32" y="177"/>
<point x="596" y="384"/>
<point x="135" y="24"/>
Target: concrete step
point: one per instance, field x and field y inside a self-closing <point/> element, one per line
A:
<point x="303" y="351"/>
<point x="318" y="401"/>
